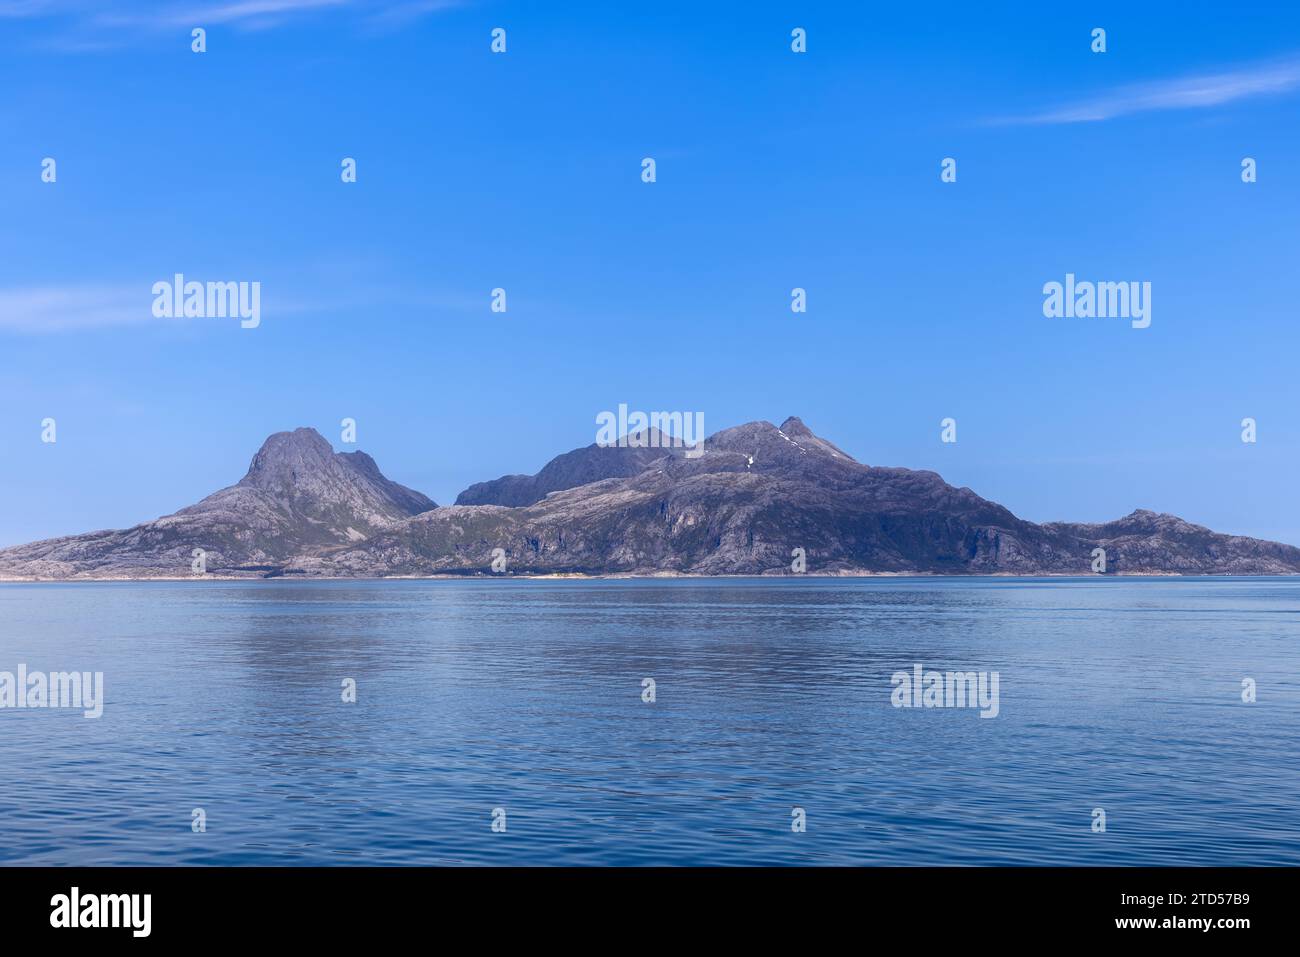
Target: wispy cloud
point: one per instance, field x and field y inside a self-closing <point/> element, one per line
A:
<point x="48" y="310"/>
<point x="44" y="309"/>
<point x="129" y="17"/>
<point x="1185" y="93"/>
<point x="217" y="13"/>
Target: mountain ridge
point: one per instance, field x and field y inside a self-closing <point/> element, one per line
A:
<point x="757" y="500"/>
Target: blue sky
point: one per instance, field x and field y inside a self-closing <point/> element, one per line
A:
<point x="775" y="170"/>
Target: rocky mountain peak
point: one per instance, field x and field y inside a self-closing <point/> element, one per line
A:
<point x="300" y="471"/>
<point x="583" y="466"/>
<point x="768" y="445"/>
<point x="285" y="457"/>
<point x="1146" y="520"/>
<point x="361" y="462"/>
<point x="794" y="426"/>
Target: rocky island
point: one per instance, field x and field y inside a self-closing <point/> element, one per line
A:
<point x="760" y="500"/>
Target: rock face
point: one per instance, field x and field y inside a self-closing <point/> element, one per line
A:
<point x="756" y="494"/>
<point x="299" y="497"/>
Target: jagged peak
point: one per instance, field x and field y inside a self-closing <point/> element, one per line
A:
<point x="288" y="452"/>
<point x="302" y="438"/>
<point x="1147" y="516"/>
<point x="628" y="455"/>
<point x="649" y="437"/>
<point x="792" y="434"/>
<point x="794" y="426"/>
<point x="362" y="461"/>
<point x="298" y="462"/>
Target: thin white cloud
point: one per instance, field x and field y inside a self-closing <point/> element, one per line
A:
<point x="218" y="13"/>
<point x="44" y="309"/>
<point x="1187" y="93"/>
<point x="133" y="16"/>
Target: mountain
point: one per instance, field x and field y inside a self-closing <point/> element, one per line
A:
<point x="760" y="491"/>
<point x="579" y="467"/>
<point x="756" y="494"/>
<point x="298" y="497"/>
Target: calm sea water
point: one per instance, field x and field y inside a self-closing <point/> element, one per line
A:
<point x="1121" y="694"/>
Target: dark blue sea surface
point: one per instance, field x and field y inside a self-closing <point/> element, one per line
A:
<point x="1120" y="694"/>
